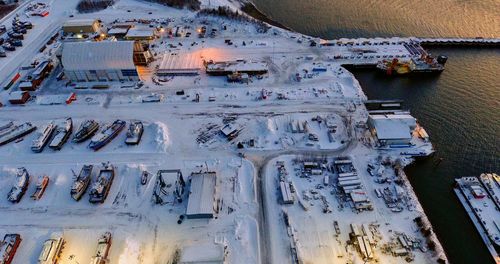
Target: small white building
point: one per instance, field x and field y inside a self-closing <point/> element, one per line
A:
<point x="392" y="129"/>
<point x="201" y="195"/>
<point x="99" y="61"/>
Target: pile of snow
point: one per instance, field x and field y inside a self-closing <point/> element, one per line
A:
<point x="162" y="138"/>
<point x="131" y="253"/>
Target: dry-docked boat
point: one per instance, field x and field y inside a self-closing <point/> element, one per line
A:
<point x="101" y="187"/>
<point x="107" y="134"/>
<point x="102" y="252"/>
<point x="43" y="138"/>
<point x="134" y="133"/>
<point x="17" y="132"/>
<point x="41" y="185"/>
<point x="51" y="250"/>
<point x="62" y="134"/>
<point x="18" y="190"/>
<point x="86" y="130"/>
<point x="81" y="182"/>
<point x="8" y="247"/>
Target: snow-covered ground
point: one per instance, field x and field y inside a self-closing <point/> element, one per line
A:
<point x="305" y="83"/>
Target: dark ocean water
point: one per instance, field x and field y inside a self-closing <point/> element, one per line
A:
<point x="460" y="108"/>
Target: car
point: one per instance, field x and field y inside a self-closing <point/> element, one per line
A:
<point x="20" y="30"/>
<point x="27" y="25"/>
<point x="16" y="43"/>
<point x="3" y="53"/>
<point x="8" y="47"/>
<point x="2" y="40"/>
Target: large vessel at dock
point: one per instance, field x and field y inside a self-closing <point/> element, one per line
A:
<point x="39" y="143"/>
<point x="81" y="182"/>
<point x="101" y="187"/>
<point x="16" y="132"/>
<point x="86" y="130"/>
<point x="107" y="134"/>
<point x="479" y="197"/>
<point x="424" y="64"/>
<point x="62" y="134"/>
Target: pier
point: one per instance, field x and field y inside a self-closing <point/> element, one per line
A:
<point x="460" y="42"/>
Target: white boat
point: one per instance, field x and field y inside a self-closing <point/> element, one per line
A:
<point x="51" y="250"/>
<point x="18" y="190"/>
<point x="102" y="251"/>
<point x="43" y="138"/>
<point x="63" y="132"/>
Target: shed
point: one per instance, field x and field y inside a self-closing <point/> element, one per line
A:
<point x="78" y="26"/>
<point x="19" y="97"/>
<point x="99" y="61"/>
<point x="201" y="195"/>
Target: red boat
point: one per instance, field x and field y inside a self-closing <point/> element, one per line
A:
<point x="8" y="247"/>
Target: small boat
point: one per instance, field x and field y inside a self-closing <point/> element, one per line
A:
<point x="41" y="185"/>
<point x="107" y="134"/>
<point x="51" y="250"/>
<point x="134" y="133"/>
<point x="144" y="177"/>
<point x="63" y="132"/>
<point x="43" y="138"/>
<point x="17" y="132"/>
<point x="102" y="251"/>
<point x="86" y="130"/>
<point x="81" y="182"/>
<point x="101" y="187"/>
<point x="18" y="190"/>
<point x="8" y="247"/>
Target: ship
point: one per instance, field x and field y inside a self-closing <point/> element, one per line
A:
<point x="41" y="185"/>
<point x="86" y="130"/>
<point x="51" y="250"/>
<point x="8" y="247"/>
<point x="102" y="251"/>
<point x="479" y="202"/>
<point x="101" y="187"/>
<point x="18" y="190"/>
<point x="81" y="182"/>
<point x="107" y="134"/>
<point x="62" y="134"/>
<point x="424" y="64"/>
<point x="17" y="132"/>
<point x="134" y="133"/>
<point x="6" y="128"/>
<point x="43" y="138"/>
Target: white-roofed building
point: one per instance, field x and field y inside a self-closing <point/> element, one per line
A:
<point x="99" y="61"/>
<point x="81" y="26"/>
<point x="392" y="129"/>
<point x="201" y="195"/>
<point x="202" y="254"/>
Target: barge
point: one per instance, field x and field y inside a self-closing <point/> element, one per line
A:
<point x="482" y="211"/>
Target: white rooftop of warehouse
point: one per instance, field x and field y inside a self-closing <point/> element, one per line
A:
<point x="180" y="62"/>
<point x="395" y="126"/>
<point x="207" y="253"/>
<point x="140" y="32"/>
<point x="103" y="55"/>
<point x="238" y="65"/>
<point x="79" y="22"/>
<point x="201" y="195"/>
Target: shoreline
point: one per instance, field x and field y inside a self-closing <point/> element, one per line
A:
<point x="251" y="10"/>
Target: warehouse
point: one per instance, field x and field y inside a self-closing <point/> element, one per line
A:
<point x="201" y="195"/>
<point x="141" y="34"/>
<point x="392" y="129"/>
<point x="180" y="64"/>
<point x="99" y="61"/>
<point x="81" y="26"/>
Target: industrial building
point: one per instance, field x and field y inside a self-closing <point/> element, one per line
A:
<point x="201" y="195"/>
<point x="141" y="34"/>
<point x="81" y="26"/>
<point x="99" y="61"/>
<point x="179" y="64"/>
<point x="392" y="129"/>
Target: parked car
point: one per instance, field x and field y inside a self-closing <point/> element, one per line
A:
<point x="3" y="53"/>
<point x="20" y="30"/>
<point x="8" y="47"/>
<point x="16" y="43"/>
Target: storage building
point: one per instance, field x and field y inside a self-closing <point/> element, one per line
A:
<point x="201" y="195"/>
<point x="81" y="26"/>
<point x="392" y="129"/>
<point x="19" y="97"/>
<point x="99" y="61"/>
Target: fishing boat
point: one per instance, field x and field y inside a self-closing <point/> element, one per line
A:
<point x="102" y="251"/>
<point x="101" y="187"/>
<point x="43" y="138"/>
<point x="107" y="134"/>
<point x="8" y="247"/>
<point x="62" y="134"/>
<point x="86" y="130"/>
<point x="134" y="133"/>
<point x="81" y="182"/>
<point x="17" y="132"/>
<point x="51" y="251"/>
<point x="41" y="185"/>
<point x="18" y="190"/>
